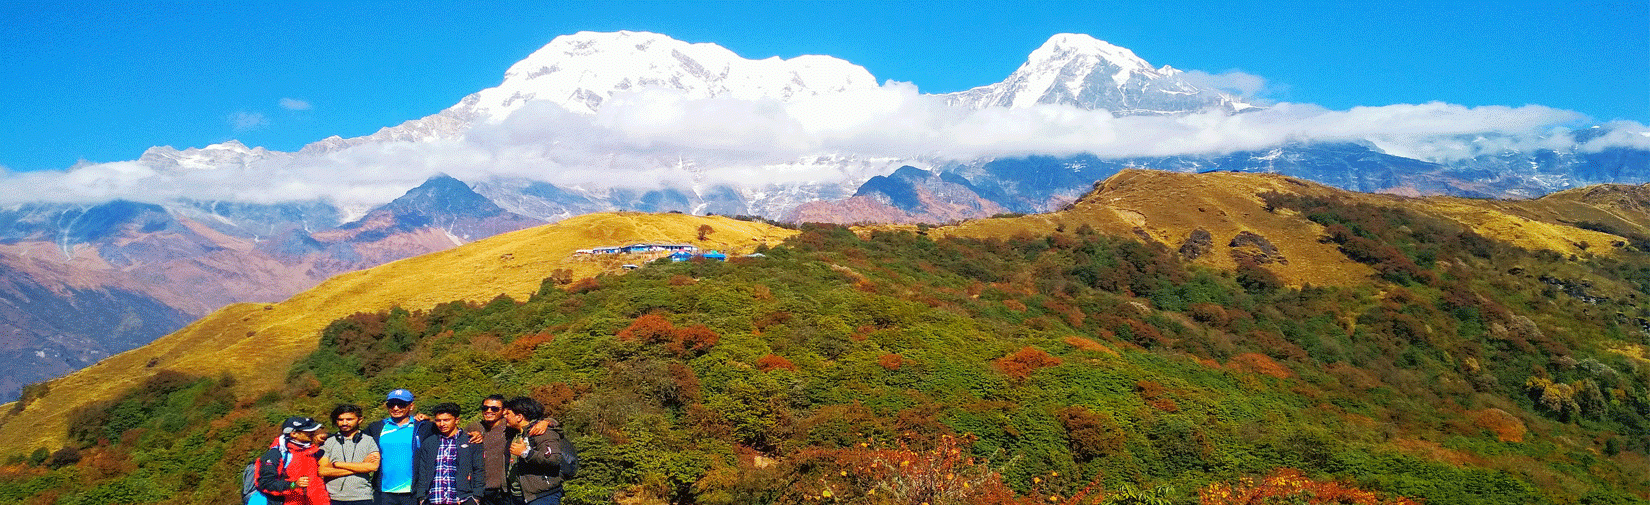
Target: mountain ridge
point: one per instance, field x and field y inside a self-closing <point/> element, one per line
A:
<point x="517" y="263"/>
<point x="265" y="251"/>
<point x="264" y="337"/>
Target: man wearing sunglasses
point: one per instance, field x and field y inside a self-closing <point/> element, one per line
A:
<point x="490" y="432"/>
<point x="398" y="437"/>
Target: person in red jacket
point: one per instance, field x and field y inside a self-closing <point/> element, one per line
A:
<point x="289" y="473"/>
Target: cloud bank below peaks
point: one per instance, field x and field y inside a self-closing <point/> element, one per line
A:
<point x="650" y="138"/>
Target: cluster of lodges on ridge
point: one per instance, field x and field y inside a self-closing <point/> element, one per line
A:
<point x="677" y="252"/>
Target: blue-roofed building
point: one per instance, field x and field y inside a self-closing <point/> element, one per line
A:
<point x="680" y="256"/>
<point x="716" y="255"/>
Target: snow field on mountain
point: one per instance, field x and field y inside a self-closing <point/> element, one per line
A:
<point x="642" y="110"/>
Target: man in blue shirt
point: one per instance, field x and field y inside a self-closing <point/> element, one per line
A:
<point x="398" y="438"/>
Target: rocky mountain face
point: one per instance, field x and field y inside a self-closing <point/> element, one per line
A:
<point x="909" y="195"/>
<point x="81" y="283"/>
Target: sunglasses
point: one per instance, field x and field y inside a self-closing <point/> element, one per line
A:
<point x="490" y="408"/>
<point x="397" y="404"/>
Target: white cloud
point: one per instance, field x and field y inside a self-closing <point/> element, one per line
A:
<point x="1626" y="134"/>
<point x="1235" y="82"/>
<point x="294" y="104"/>
<point x="650" y="138"/>
<point x="248" y="121"/>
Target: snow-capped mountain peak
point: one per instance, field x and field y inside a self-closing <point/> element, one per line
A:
<point x="228" y="153"/>
<point x="1089" y="73"/>
<point x="583" y="70"/>
<point x="1066" y="47"/>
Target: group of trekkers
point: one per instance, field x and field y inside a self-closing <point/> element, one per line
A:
<point x="513" y="455"/>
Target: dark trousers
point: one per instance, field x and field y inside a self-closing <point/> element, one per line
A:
<point x="396" y="499"/>
<point x="354" y="502"/>
<point x="549" y="499"/>
<point x="497" y="497"/>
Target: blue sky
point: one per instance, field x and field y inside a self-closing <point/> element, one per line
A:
<point x="103" y="81"/>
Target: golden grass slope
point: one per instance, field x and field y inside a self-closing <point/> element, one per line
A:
<point x="1168" y="206"/>
<point x="257" y="343"/>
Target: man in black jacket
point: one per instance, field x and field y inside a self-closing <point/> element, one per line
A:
<point x="538" y="463"/>
<point x="450" y="469"/>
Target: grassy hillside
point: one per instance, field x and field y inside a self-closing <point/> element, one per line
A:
<point x="1440" y="350"/>
<point x="255" y="343"/>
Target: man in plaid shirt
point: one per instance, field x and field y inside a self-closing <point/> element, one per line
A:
<point x="450" y="468"/>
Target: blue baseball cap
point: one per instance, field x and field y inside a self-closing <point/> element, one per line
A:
<point x="400" y="394"/>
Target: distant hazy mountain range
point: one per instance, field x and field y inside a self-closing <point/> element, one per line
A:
<point x="83" y="281"/>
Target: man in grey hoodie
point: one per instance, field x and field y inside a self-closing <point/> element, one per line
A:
<point x="351" y="458"/>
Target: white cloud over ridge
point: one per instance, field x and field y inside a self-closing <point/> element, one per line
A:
<point x="1235" y="82"/>
<point x="643" y="138"/>
<point x="294" y="104"/>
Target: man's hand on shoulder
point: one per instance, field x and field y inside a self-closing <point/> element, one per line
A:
<point x="542" y="426"/>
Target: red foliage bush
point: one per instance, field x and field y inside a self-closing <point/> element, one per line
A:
<point x="891" y="361"/>
<point x="584" y="285"/>
<point x="1073" y="315"/>
<point x="1290" y="486"/>
<point x="1092" y="435"/>
<point x="1210" y="314"/>
<point x="522" y="347"/>
<point x="687" y="382"/>
<point x="655" y="329"/>
<point x="650" y="328"/>
<point x="556" y="397"/>
<point x="1021" y="364"/>
<point x="693" y="340"/>
<point x="946" y="473"/>
<point x="770" y="319"/>
<point x="773" y="362"/>
<point x="1155" y="395"/>
<point x="1089" y="345"/>
<point x="1507" y="427"/>
<point x="1259" y="363"/>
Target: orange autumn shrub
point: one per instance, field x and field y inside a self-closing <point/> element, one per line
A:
<point x="1021" y="364"/>
<point x="655" y="329"/>
<point x="522" y="347"/>
<point x="876" y="474"/>
<point x="1089" y="345"/>
<point x="1287" y="486"/>
<point x="773" y="362"/>
<point x="1507" y="427"/>
<point x="891" y="361"/>
<point x="693" y="340"/>
<point x="1261" y="364"/>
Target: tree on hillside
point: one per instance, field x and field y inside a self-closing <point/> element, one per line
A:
<point x="705" y="230"/>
